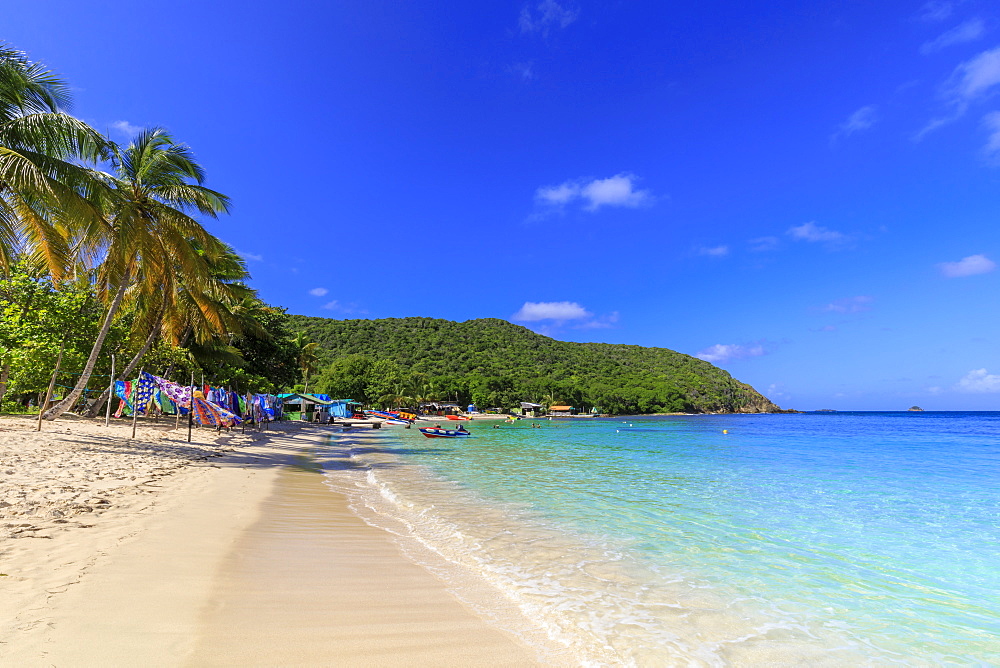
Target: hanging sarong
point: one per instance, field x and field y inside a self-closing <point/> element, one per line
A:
<point x="123" y="388"/>
<point x="166" y="405"/>
<point x="144" y="392"/>
<point x="209" y="413"/>
<point x="179" y="394"/>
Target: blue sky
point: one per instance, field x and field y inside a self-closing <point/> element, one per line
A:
<point x="807" y="195"/>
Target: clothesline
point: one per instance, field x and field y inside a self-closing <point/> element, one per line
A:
<point x="212" y="406"/>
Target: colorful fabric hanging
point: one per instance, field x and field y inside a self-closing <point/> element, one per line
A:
<point x="179" y="394"/>
<point x="166" y="405"/>
<point x="144" y="392"/>
<point x="123" y="388"/>
<point x="209" y="413"/>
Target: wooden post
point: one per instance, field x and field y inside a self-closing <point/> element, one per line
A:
<point x="177" y="416"/>
<point x="191" y="408"/>
<point x="111" y="393"/>
<point x="243" y="422"/>
<point x="135" y="407"/>
<point x="52" y="386"/>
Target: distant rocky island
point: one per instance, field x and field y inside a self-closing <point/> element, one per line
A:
<point x="914" y="408"/>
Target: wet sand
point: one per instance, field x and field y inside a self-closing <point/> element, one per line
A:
<point x="245" y="559"/>
<point x="310" y="584"/>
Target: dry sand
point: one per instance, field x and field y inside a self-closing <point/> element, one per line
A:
<point x="226" y="551"/>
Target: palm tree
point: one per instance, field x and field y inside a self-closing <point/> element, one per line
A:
<point x="150" y="235"/>
<point x="209" y="312"/>
<point x="306" y="356"/>
<point x="46" y="196"/>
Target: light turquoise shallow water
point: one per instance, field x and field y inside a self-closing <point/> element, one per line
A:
<point x="836" y="539"/>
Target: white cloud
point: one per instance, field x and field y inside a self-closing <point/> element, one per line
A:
<point x="966" y="32"/>
<point x="714" y="251"/>
<point x="344" y="308"/>
<point x="763" y="244"/>
<point x="967" y="266"/>
<point x="318" y="292"/>
<point x="548" y="14"/>
<point x="992" y="123"/>
<point x="970" y="80"/>
<point x="248" y="256"/>
<point x="776" y="392"/>
<point x="526" y="71"/>
<point x="721" y="353"/>
<point x="127" y="129"/>
<point x="862" y="119"/>
<point x="558" y="195"/>
<point x="849" y="305"/>
<point x="979" y="381"/>
<point x="813" y="233"/>
<point x="974" y="77"/>
<point x="603" y="322"/>
<point x="618" y="190"/>
<point x="615" y="191"/>
<point x="561" y="311"/>
<point x="935" y="10"/>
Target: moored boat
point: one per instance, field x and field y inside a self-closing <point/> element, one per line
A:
<point x="438" y="432"/>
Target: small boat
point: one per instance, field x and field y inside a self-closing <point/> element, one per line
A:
<point x="457" y="417"/>
<point x="396" y="421"/>
<point x="437" y="432"/>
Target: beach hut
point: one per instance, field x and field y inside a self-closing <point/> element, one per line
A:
<point x="557" y="411"/>
<point x="529" y="409"/>
<point x="307" y="407"/>
<point x="344" y="408"/>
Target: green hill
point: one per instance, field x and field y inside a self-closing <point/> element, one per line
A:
<point x="494" y="363"/>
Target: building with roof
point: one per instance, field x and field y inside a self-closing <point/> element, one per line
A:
<point x="529" y="409"/>
<point x="308" y="407"/>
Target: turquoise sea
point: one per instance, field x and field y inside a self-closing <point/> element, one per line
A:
<point x="818" y="538"/>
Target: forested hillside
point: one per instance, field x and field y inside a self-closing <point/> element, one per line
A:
<point x="494" y="363"/>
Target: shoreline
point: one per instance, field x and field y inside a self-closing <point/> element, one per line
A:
<point x="182" y="564"/>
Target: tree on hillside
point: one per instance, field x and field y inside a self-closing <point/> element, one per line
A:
<point x="495" y="363"/>
<point x="345" y="377"/>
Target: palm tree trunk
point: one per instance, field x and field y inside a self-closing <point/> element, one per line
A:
<point x="95" y="408"/>
<point x="88" y="368"/>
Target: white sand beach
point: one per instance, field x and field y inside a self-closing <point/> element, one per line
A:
<point x="224" y="551"/>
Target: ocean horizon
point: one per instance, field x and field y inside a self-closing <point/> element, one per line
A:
<point x="823" y="538"/>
